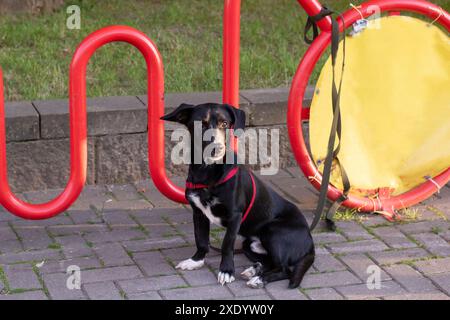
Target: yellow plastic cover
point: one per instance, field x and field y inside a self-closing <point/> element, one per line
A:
<point x="395" y="106"/>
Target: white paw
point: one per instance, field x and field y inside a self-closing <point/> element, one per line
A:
<point x="248" y="273"/>
<point x="224" y="277"/>
<point x="190" y="264"/>
<point x="255" y="283"/>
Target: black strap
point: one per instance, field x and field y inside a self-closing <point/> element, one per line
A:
<point x="311" y="22"/>
<point x="336" y="129"/>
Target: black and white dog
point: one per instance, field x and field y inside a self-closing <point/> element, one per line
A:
<point x="277" y="236"/>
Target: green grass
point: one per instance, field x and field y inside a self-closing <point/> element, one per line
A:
<point x="35" y="51"/>
<point x="54" y="246"/>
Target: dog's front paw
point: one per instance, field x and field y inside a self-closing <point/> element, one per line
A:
<point x="190" y="264"/>
<point x="255" y="283"/>
<point x="225" y="277"/>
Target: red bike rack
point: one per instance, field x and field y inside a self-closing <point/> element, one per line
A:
<point x="77" y="107"/>
<point x="78" y="127"/>
<point x="300" y="82"/>
<point x="231" y="45"/>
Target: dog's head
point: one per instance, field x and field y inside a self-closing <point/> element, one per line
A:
<point x="213" y="121"/>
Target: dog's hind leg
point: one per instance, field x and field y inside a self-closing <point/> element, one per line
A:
<point x="300" y="269"/>
<point x="277" y="274"/>
<point x="262" y="262"/>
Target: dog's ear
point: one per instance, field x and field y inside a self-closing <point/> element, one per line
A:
<point x="238" y="116"/>
<point x="181" y="114"/>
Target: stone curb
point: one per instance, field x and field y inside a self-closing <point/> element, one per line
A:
<point x="49" y="119"/>
<point x="38" y="136"/>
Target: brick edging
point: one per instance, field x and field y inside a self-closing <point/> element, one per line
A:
<point x="38" y="135"/>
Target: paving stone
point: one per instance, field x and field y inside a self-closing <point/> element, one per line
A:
<point x="361" y="291"/>
<point x="420" y="227"/>
<point x="358" y="263"/>
<point x="115" y="235"/>
<point x="26" y="256"/>
<point x="178" y="254"/>
<point x="239" y="288"/>
<point x="187" y="229"/>
<point x="410" y="279"/>
<point x="102" y="291"/>
<point x="443" y="281"/>
<point x="393" y="237"/>
<point x="61" y="266"/>
<point x="434" y="243"/>
<point x="10" y="246"/>
<point x="433" y="266"/>
<point x="296" y="190"/>
<point x="77" y="229"/>
<point x="372" y="220"/>
<point x="445" y="235"/>
<point x="201" y="276"/>
<point x="61" y="219"/>
<point x="396" y="256"/>
<point x="21" y="277"/>
<point x="84" y="217"/>
<point x="279" y="291"/>
<point x="113" y="254"/>
<point x="86" y="204"/>
<point x="34" y="238"/>
<point x="150" y="217"/>
<point x="56" y="284"/>
<point x="327" y="237"/>
<point x="42" y="196"/>
<point x="152" y="284"/>
<point x="70" y="253"/>
<point x="149" y="191"/>
<point x="72" y="242"/>
<point x="256" y="298"/>
<point x="198" y="293"/>
<point x="125" y="205"/>
<point x="437" y="295"/>
<point x="6" y="216"/>
<point x="28" y="295"/>
<point x="329" y="279"/>
<point x="118" y="218"/>
<point x="153" y="263"/>
<point x="152" y="295"/>
<point x="161" y="231"/>
<point x="6" y="233"/>
<point x="327" y="263"/>
<point x="353" y="230"/>
<point x="358" y="246"/>
<point x="124" y="192"/>
<point x="110" y="274"/>
<point x="153" y="244"/>
<point x="324" y="294"/>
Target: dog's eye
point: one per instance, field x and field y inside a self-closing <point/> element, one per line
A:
<point x="224" y="124"/>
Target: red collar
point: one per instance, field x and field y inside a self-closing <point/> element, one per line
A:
<point x="231" y="174"/>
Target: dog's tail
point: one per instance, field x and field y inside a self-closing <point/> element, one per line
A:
<point x="300" y="269"/>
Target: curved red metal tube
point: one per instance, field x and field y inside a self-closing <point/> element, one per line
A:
<point x="78" y="127"/>
<point x="77" y="105"/>
<point x="294" y="116"/>
<point x="231" y="46"/>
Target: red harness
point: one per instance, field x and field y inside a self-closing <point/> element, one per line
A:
<point x="231" y="174"/>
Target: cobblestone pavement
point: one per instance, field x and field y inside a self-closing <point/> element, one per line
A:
<point x="127" y="239"/>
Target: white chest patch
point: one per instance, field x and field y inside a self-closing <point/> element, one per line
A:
<point x="205" y="209"/>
